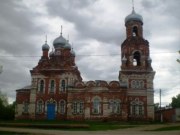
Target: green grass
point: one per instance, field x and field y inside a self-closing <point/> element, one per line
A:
<point x="170" y="128"/>
<point x="69" y="125"/>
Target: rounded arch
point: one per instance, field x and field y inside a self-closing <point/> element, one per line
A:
<point x="40" y="106"/>
<point x="62" y="106"/>
<point x="135" y="30"/>
<point x="114" y="84"/>
<point x="52" y="85"/>
<point x="102" y="83"/>
<point x="90" y="84"/>
<point x="79" y="84"/>
<point x="41" y="85"/>
<point x="137" y="57"/>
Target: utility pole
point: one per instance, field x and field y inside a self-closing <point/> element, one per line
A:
<point x="161" y="116"/>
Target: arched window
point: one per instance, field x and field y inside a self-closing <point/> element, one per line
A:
<point x="96" y="106"/>
<point x="115" y="106"/>
<point x="39" y="106"/>
<point x="41" y="86"/>
<point x="135" y="31"/>
<point x="137" y="108"/>
<point x="62" y="107"/>
<point x="52" y="86"/>
<point x="136" y="59"/>
<point x="26" y="107"/>
<point x="78" y="107"/>
<point x="137" y="84"/>
<point x="75" y="107"/>
<point x="63" y="86"/>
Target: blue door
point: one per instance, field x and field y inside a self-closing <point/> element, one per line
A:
<point x="51" y="111"/>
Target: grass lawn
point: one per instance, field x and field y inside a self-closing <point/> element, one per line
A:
<point x="69" y="125"/>
<point x="169" y="128"/>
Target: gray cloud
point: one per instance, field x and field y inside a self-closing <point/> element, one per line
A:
<point x="99" y="29"/>
<point x="85" y="21"/>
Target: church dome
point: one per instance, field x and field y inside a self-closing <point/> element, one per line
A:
<point x="134" y="17"/>
<point x="68" y="45"/>
<point x="45" y="47"/>
<point x="73" y="53"/>
<point x="59" y="42"/>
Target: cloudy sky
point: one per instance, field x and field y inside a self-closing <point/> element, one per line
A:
<point x="96" y="29"/>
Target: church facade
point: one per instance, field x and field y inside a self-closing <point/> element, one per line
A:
<point x="57" y="91"/>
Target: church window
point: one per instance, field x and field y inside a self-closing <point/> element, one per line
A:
<point x="63" y="86"/>
<point x="52" y="86"/>
<point x="62" y="107"/>
<point x="137" y="108"/>
<point x="135" y="31"/>
<point x="41" y="86"/>
<point x="114" y="105"/>
<point x="75" y="107"/>
<point x="96" y="106"/>
<point x="26" y="107"/>
<point x="136" y="59"/>
<point x="39" y="106"/>
<point x="137" y="84"/>
<point x="78" y="107"/>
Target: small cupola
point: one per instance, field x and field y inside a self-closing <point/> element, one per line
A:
<point x="60" y="41"/>
<point x="68" y="45"/>
<point x="134" y="17"/>
<point x="45" y="47"/>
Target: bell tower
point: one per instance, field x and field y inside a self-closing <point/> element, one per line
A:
<point x="136" y="71"/>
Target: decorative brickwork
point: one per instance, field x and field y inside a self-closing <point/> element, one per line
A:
<point x="58" y="92"/>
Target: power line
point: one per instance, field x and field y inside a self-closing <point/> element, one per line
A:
<point x="84" y="54"/>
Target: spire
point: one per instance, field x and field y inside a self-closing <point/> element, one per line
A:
<point x="133" y="11"/>
<point x="132" y="4"/>
<point x="61" y="30"/>
<point x="46" y="39"/>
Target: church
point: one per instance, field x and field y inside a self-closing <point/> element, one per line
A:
<point x="58" y="92"/>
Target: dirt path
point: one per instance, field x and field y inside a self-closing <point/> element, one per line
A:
<point x="131" y="131"/>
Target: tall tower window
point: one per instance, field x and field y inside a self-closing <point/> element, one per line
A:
<point x="62" y="107"/>
<point x="41" y="87"/>
<point x="96" y="106"/>
<point x="63" y="86"/>
<point x="136" y="59"/>
<point x="135" y="31"/>
<point x="52" y="86"/>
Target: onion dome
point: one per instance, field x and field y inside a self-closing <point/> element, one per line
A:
<point x="73" y="53"/>
<point x="45" y="47"/>
<point x="68" y="45"/>
<point x="134" y="17"/>
<point x="59" y="42"/>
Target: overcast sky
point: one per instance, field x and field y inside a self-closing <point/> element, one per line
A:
<point x="96" y="29"/>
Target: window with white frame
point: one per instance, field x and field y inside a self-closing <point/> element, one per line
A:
<point x="25" y="107"/>
<point x="137" y="84"/>
<point x="40" y="106"/>
<point x="96" y="106"/>
<point x="78" y="107"/>
<point x="63" y="86"/>
<point x="115" y="106"/>
<point x="41" y="86"/>
<point x="137" y="108"/>
<point x="52" y="86"/>
<point x="62" y="107"/>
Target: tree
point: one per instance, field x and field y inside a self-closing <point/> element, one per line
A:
<point x="7" y="111"/>
<point x="176" y="101"/>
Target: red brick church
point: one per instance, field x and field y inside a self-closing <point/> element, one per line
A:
<point x="58" y="92"/>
